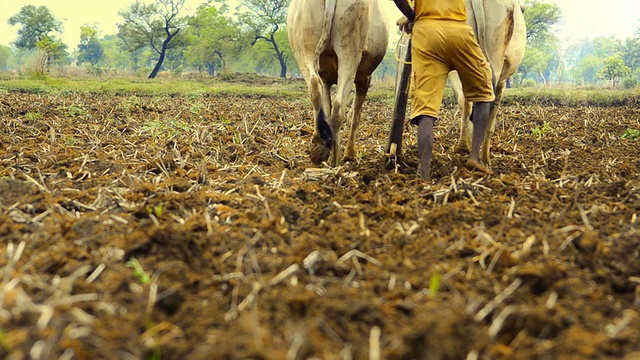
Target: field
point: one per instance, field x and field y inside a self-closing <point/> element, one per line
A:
<point x="192" y="225"/>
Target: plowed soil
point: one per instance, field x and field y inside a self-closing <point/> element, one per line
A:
<point x="178" y="227"/>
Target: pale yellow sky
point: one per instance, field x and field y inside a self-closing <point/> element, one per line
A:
<point x="581" y="18"/>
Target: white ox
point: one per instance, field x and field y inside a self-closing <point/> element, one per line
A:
<point x="336" y="42"/>
<point x="500" y="28"/>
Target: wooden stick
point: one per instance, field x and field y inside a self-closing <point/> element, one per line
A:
<point x="394" y="145"/>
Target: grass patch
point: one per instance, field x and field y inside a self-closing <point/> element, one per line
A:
<point x="166" y="127"/>
<point x="127" y="86"/>
<point x="261" y="86"/>
<point x="572" y="97"/>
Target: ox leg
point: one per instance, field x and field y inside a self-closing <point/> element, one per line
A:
<point x="323" y="139"/>
<point x="466" y="126"/>
<point x="346" y="76"/>
<point x="491" y="127"/>
<point x="362" y="86"/>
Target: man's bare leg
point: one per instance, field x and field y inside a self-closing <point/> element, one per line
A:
<point x="481" y="112"/>
<point x="425" y="144"/>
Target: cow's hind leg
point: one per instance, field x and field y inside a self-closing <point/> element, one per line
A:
<point x="346" y="76"/>
<point x="362" y="86"/>
<point x="491" y="127"/>
<point x="466" y="127"/>
<point x="323" y="139"/>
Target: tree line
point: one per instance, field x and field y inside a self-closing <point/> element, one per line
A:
<point x="602" y="60"/>
<point x="157" y="36"/>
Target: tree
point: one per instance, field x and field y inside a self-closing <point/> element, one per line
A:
<point x="55" y="50"/>
<point x="154" y="25"/>
<point x="540" y="17"/>
<point x="37" y="32"/>
<point x="543" y="57"/>
<point x="586" y="69"/>
<point x="5" y="55"/>
<point x="37" y="23"/>
<point x="213" y="39"/>
<point x="265" y="18"/>
<point x="388" y="68"/>
<point x="614" y="69"/>
<point x="631" y="53"/>
<point x="259" y="58"/>
<point x="89" y="50"/>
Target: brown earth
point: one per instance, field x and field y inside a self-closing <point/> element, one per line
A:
<point x="246" y="251"/>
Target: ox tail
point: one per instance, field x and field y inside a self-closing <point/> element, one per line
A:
<point x="327" y="21"/>
<point x="323" y="127"/>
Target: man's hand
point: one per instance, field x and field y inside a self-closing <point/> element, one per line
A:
<point x="405" y="25"/>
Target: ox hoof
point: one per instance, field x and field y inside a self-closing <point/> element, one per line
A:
<point x="476" y="165"/>
<point x="349" y="156"/>
<point x="319" y="153"/>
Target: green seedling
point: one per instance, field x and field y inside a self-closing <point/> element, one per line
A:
<point x="69" y="140"/>
<point x="631" y="134"/>
<point x="541" y="131"/>
<point x="195" y="109"/>
<point x="73" y="110"/>
<point x="156" y="210"/>
<point x="434" y="285"/>
<point x="138" y="271"/>
<point x="33" y="116"/>
<point x="4" y="343"/>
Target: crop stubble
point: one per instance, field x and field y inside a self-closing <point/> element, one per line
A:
<point x="251" y="252"/>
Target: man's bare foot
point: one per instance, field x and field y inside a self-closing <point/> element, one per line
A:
<point x="477" y="165"/>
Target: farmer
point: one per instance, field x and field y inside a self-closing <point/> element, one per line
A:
<point x="442" y="41"/>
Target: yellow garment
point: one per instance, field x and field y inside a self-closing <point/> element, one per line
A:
<point x="441" y="10"/>
<point x="438" y="47"/>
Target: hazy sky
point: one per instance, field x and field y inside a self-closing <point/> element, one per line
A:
<point x="581" y="18"/>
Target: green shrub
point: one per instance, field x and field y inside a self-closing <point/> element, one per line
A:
<point x="629" y="83"/>
<point x="631" y="134"/>
<point x="528" y="83"/>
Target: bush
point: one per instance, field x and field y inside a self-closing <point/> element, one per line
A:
<point x="629" y="83"/>
<point x="528" y="83"/>
<point x="36" y="67"/>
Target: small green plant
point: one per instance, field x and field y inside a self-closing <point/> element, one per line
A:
<point x="73" y="110"/>
<point x="541" y="131"/>
<point x="32" y="116"/>
<point x="129" y="104"/>
<point x="434" y="285"/>
<point x="195" y="109"/>
<point x="69" y="141"/>
<point x="169" y="127"/>
<point x="631" y="134"/>
<point x="138" y="271"/>
<point x="4" y="343"/>
<point x="156" y="210"/>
